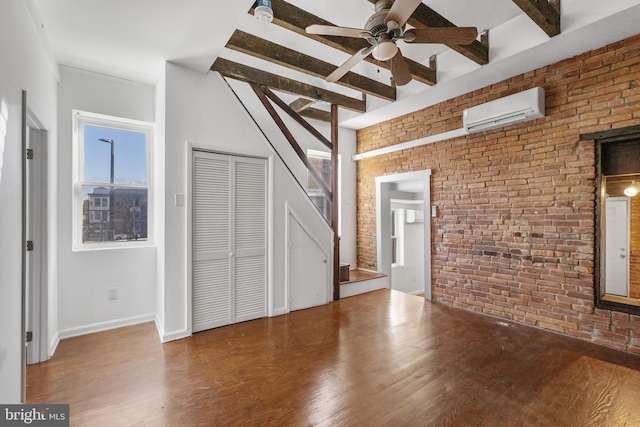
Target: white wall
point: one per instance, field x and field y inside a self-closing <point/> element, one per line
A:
<point x="346" y="148"/>
<point x="85" y="276"/>
<point x="159" y="184"/>
<point x="24" y="64"/>
<point x="409" y="277"/>
<point x="348" y="244"/>
<point x="202" y="112"/>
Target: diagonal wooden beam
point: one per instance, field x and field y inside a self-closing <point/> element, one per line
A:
<point x="295" y="116"/>
<point x="277" y="54"/>
<point x="253" y="75"/>
<point x="297" y="20"/>
<point x="545" y="13"/>
<point x="260" y="91"/>
<point x="424" y="17"/>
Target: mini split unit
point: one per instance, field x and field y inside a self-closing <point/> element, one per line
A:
<point x="516" y="108"/>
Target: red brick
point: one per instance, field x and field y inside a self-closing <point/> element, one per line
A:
<point x="516" y="232"/>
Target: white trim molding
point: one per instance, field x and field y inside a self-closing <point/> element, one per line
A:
<point x="105" y="326"/>
<point x="410" y="144"/>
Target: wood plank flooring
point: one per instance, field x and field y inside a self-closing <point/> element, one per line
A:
<point x="378" y="359"/>
<point x="359" y="275"/>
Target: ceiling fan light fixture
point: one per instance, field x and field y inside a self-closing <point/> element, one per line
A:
<point x="385" y="50"/>
<point x="632" y="190"/>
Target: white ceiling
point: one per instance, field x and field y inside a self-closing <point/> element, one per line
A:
<point x="133" y="38"/>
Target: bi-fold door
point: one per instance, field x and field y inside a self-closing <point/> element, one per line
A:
<point x="229" y="239"/>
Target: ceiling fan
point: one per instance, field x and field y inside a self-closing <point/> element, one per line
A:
<point x="383" y="29"/>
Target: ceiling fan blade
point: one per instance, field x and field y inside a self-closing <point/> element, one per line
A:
<point x="330" y="30"/>
<point x="443" y="35"/>
<point x="400" y="69"/>
<point x="401" y="11"/>
<point x="349" y="64"/>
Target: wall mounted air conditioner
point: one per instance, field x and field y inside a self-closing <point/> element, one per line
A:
<point x="414" y="216"/>
<point x="516" y="108"/>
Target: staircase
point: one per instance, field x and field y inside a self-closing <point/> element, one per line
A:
<point x="360" y="281"/>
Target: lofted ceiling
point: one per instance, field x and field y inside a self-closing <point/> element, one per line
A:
<point x="132" y="39"/>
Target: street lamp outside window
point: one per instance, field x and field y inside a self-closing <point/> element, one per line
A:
<point x="112" y="142"/>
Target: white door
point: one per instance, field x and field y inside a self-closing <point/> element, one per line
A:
<point x="308" y="269"/>
<point x="617" y="246"/>
<point x="229" y="240"/>
<point x="249" y="256"/>
<point x="36" y="258"/>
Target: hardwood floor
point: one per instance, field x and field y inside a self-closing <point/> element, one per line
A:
<point x="378" y="359"/>
<point x="359" y="275"/>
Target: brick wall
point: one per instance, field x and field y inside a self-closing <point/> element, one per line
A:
<point x="514" y="237"/>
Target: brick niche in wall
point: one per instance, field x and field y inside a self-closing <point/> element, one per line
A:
<point x="514" y="237"/>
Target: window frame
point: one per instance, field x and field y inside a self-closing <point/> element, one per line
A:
<point x="316" y="192"/>
<point x="601" y="299"/>
<point x="80" y="120"/>
<point x="397" y="234"/>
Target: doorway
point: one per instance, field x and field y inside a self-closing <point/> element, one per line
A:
<point x="617" y="222"/>
<point x="402" y="201"/>
<point x="36" y="298"/>
<point x="617" y="249"/>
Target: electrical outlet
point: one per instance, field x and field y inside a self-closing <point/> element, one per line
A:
<point x="113" y="293"/>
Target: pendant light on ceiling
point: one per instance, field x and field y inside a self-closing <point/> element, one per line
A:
<point x="632" y="190"/>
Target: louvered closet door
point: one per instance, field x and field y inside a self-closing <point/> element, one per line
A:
<point x="211" y="241"/>
<point x="229" y="240"/>
<point x="250" y="239"/>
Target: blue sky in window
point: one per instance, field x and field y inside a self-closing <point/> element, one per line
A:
<point x="130" y="157"/>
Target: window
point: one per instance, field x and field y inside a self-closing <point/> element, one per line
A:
<point x="112" y="185"/>
<point x="321" y="161"/>
<point x="397" y="237"/>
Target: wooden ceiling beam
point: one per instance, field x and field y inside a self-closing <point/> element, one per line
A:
<point x="545" y="13"/>
<point x="277" y="54"/>
<point x="301" y="104"/>
<point x="253" y="75"/>
<point x="305" y="108"/>
<point x="424" y="17"/>
<point x="316" y="114"/>
<point x="297" y="20"/>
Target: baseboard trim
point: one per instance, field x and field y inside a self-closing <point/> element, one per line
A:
<point x="53" y="345"/>
<point x="159" y="328"/>
<point x="172" y="336"/>
<point x="105" y="326"/>
<point x="279" y="311"/>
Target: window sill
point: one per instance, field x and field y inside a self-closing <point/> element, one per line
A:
<point x="622" y="300"/>
<point x="113" y="246"/>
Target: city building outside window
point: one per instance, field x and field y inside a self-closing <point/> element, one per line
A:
<point x="112" y="181"/>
